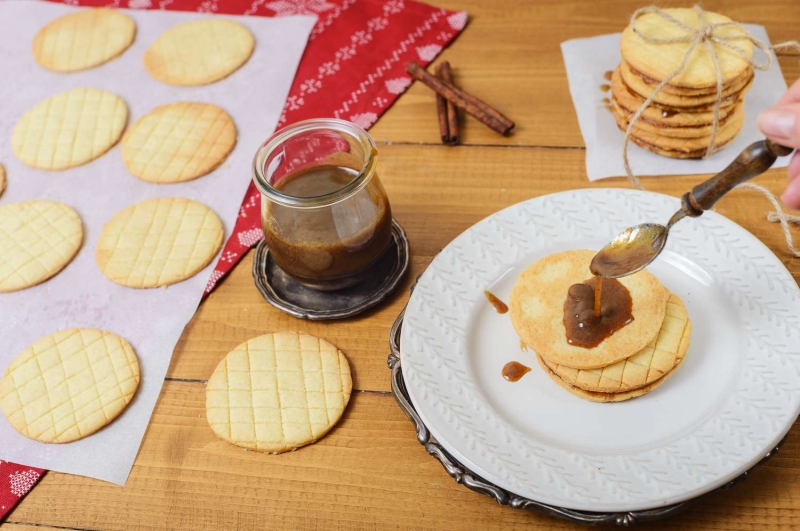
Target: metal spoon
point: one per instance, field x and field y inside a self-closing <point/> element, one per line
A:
<point x="637" y="246"/>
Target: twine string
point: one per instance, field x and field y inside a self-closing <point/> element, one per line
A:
<point x="705" y="35"/>
<point x="779" y="216"/>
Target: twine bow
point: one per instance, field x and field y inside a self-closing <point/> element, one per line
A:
<point x="705" y="35"/>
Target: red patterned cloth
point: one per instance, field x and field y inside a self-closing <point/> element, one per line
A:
<point x="15" y="482"/>
<point x="353" y="68"/>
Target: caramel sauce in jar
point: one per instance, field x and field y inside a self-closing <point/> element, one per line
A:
<point x="321" y="245"/>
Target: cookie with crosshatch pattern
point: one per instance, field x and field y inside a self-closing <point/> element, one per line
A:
<point x="199" y="52"/>
<point x="661" y="356"/>
<point x="37" y="240"/>
<point x="83" y="39"/>
<point x="2" y="179"/>
<point x="657" y="60"/>
<point x="278" y="392"/>
<point x="158" y="242"/>
<point x="69" y="129"/>
<point x="178" y="142"/>
<point x="595" y="396"/>
<point x="68" y="385"/>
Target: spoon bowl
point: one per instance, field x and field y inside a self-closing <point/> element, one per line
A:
<point x="630" y="251"/>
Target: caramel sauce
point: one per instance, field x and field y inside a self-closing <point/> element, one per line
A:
<point x="586" y="329"/>
<point x="608" y="75"/>
<point x="668" y="114"/>
<point x="499" y="306"/>
<point x="327" y="245"/>
<point x="605" y="88"/>
<point x="514" y="370"/>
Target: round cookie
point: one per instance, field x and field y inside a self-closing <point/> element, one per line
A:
<point x="199" y="52"/>
<point x="594" y="396"/>
<point x="740" y="81"/>
<point x="537" y="311"/>
<point x="37" y="240"/>
<point x="3" y="179"/>
<point x="69" y="129"/>
<point x="660" y="115"/>
<point x="730" y="94"/>
<point x="158" y="242"/>
<point x="664" y="352"/>
<point x="68" y="385"/>
<point x="178" y="142"/>
<point x="675" y="154"/>
<point x="673" y="131"/>
<point x="278" y="392"/>
<point x="83" y="39"/>
<point x="725" y="134"/>
<point x="657" y="60"/>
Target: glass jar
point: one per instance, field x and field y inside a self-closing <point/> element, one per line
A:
<point x="325" y="214"/>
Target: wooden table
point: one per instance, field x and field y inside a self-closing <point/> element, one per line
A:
<point x="370" y="472"/>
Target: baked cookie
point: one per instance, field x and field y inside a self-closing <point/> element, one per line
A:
<point x="660" y="356"/>
<point x="594" y="396"/>
<point x="68" y="385"/>
<point x="701" y="131"/>
<point x="199" y="52"/>
<point x="158" y="242"/>
<point x="740" y="81"/>
<point x="83" y="39"/>
<point x="537" y="311"/>
<point x="69" y="129"/>
<point x="658" y="114"/>
<point x="278" y="392"/>
<point x="730" y="94"/>
<point x="657" y="60"/>
<point x="178" y="142"/>
<point x="37" y="240"/>
<point x="660" y="140"/>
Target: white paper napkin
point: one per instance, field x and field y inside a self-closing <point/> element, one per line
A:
<point x="80" y="296"/>
<point x="587" y="60"/>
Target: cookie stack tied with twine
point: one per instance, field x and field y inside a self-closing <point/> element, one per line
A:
<point x="679" y="89"/>
<point x="672" y="55"/>
<point x="632" y="361"/>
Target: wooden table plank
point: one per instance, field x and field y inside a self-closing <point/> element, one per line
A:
<point x="368" y="473"/>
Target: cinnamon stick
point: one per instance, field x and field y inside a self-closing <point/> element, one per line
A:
<point x="481" y="110"/>
<point x="445" y="73"/>
<point x="441" y="111"/>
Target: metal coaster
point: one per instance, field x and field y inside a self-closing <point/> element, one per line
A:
<point x="472" y="481"/>
<point x="288" y="295"/>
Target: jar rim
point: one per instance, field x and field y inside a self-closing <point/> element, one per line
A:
<point x="342" y="126"/>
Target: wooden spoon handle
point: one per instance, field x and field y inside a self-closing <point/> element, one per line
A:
<point x="754" y="160"/>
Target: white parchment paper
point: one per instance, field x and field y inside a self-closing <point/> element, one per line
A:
<point x="80" y="296"/>
<point x="588" y="59"/>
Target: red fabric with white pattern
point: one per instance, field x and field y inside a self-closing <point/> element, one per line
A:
<point x="15" y="482"/>
<point x="353" y="68"/>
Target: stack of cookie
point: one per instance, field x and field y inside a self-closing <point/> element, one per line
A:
<point x="631" y="362"/>
<point x="679" y="121"/>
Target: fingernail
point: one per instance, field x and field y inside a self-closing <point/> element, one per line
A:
<point x="777" y="123"/>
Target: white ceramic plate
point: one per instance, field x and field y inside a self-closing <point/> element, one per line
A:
<point x="735" y="396"/>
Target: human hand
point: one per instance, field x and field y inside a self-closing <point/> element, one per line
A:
<point x="781" y="124"/>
